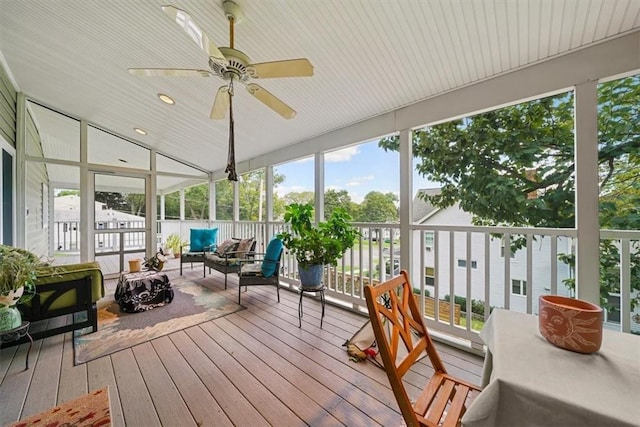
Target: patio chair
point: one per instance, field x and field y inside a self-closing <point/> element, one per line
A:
<point x="262" y="269"/>
<point x="444" y="399"/>
<point x="201" y="240"/>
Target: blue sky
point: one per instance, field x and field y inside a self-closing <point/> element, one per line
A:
<point x="358" y="169"/>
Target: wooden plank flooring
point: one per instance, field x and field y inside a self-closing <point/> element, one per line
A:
<point x="251" y="368"/>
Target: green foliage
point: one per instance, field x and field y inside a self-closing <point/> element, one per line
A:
<point x="174" y="241"/>
<point x="322" y="244"/>
<point x="68" y="193"/>
<point x="339" y="199"/>
<point x="224" y="200"/>
<point x="196" y="202"/>
<point x="483" y="163"/>
<point x="18" y="268"/>
<point x="515" y="167"/>
<point x="302" y="197"/>
<point x="378" y="207"/>
<point x="477" y="306"/>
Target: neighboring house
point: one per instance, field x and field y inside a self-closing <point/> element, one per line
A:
<point x="67" y="219"/>
<point x="425" y="213"/>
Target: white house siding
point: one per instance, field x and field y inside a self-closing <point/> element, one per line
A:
<point x="541" y="263"/>
<point x="37" y="194"/>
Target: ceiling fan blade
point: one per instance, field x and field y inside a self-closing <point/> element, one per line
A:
<point x="287" y="68"/>
<point x="221" y="103"/>
<point x="172" y="72"/>
<point x="184" y="20"/>
<point x="268" y="99"/>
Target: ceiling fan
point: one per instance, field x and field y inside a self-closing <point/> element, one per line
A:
<point x="231" y="65"/>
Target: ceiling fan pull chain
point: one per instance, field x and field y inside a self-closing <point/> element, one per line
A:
<point x="231" y="159"/>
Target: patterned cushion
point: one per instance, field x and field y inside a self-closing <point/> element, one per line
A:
<point x="243" y="246"/>
<point x="222" y="260"/>
<point x="254" y="269"/>
<point x="202" y="238"/>
<point x="225" y="247"/>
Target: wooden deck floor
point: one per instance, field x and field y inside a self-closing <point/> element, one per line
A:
<point x="253" y="367"/>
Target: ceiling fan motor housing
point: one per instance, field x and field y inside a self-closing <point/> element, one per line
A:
<point x="235" y="69"/>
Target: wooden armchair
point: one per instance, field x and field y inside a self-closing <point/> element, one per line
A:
<point x="402" y="337"/>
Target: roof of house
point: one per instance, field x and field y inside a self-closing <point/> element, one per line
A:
<point x="422" y="208"/>
<point x="67" y="209"/>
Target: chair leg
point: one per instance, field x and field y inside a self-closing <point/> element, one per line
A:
<point x="225" y="281"/>
<point x="239" y="291"/>
<point x="322" y="301"/>
<point x="181" y="266"/>
<point x="278" y="291"/>
<point x="93" y="313"/>
<point x="300" y="311"/>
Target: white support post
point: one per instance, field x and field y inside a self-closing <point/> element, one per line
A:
<point x="87" y="202"/>
<point x="50" y="218"/>
<point x="319" y="186"/>
<point x="181" y="205"/>
<point x="236" y="206"/>
<point x="21" y="172"/>
<point x="406" y="211"/>
<point x="586" y="172"/>
<point x="151" y="220"/>
<point x="269" y="203"/>
<point x="212" y="199"/>
<point x="162" y="207"/>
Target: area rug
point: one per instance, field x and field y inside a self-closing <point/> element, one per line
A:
<point x="192" y="304"/>
<point x="90" y="410"/>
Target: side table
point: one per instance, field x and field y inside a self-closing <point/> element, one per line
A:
<point x="142" y="291"/>
<point x="15" y="334"/>
<point x="311" y="289"/>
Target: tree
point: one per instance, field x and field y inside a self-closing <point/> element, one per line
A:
<point x="301" y="198"/>
<point x="252" y="195"/>
<point x="196" y="202"/>
<point x="136" y="202"/>
<point x="68" y="193"/>
<point x="515" y="166"/>
<point x="339" y="199"/>
<point x="378" y="207"/>
<point x="224" y="200"/>
<point x="113" y="200"/>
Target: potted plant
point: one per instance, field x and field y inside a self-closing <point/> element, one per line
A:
<point x="316" y="246"/>
<point x="174" y="242"/>
<point x="155" y="262"/>
<point x="18" y="272"/>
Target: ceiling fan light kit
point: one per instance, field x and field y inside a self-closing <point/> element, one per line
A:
<point x="231" y="65"/>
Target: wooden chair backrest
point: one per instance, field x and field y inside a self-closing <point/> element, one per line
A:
<point x="401" y="335"/>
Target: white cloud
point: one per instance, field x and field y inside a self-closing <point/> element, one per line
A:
<point x="282" y="190"/>
<point x="359" y="180"/>
<point x="343" y="155"/>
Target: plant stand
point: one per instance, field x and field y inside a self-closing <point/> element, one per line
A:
<point x="311" y="289"/>
<point x="15" y="334"/>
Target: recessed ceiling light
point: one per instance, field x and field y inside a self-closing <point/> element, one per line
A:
<point x="140" y="131"/>
<point x="166" y="99"/>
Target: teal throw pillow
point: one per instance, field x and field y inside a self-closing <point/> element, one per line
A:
<point x="271" y="257"/>
<point x="202" y="238"/>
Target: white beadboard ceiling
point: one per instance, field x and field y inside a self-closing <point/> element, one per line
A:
<point x="369" y="56"/>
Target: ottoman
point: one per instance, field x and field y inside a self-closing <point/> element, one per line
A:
<point x="143" y="291"/>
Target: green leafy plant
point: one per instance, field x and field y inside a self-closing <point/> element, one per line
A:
<point x="155" y="262"/>
<point x="323" y="244"/>
<point x="174" y="241"/>
<point x="18" y="268"/>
